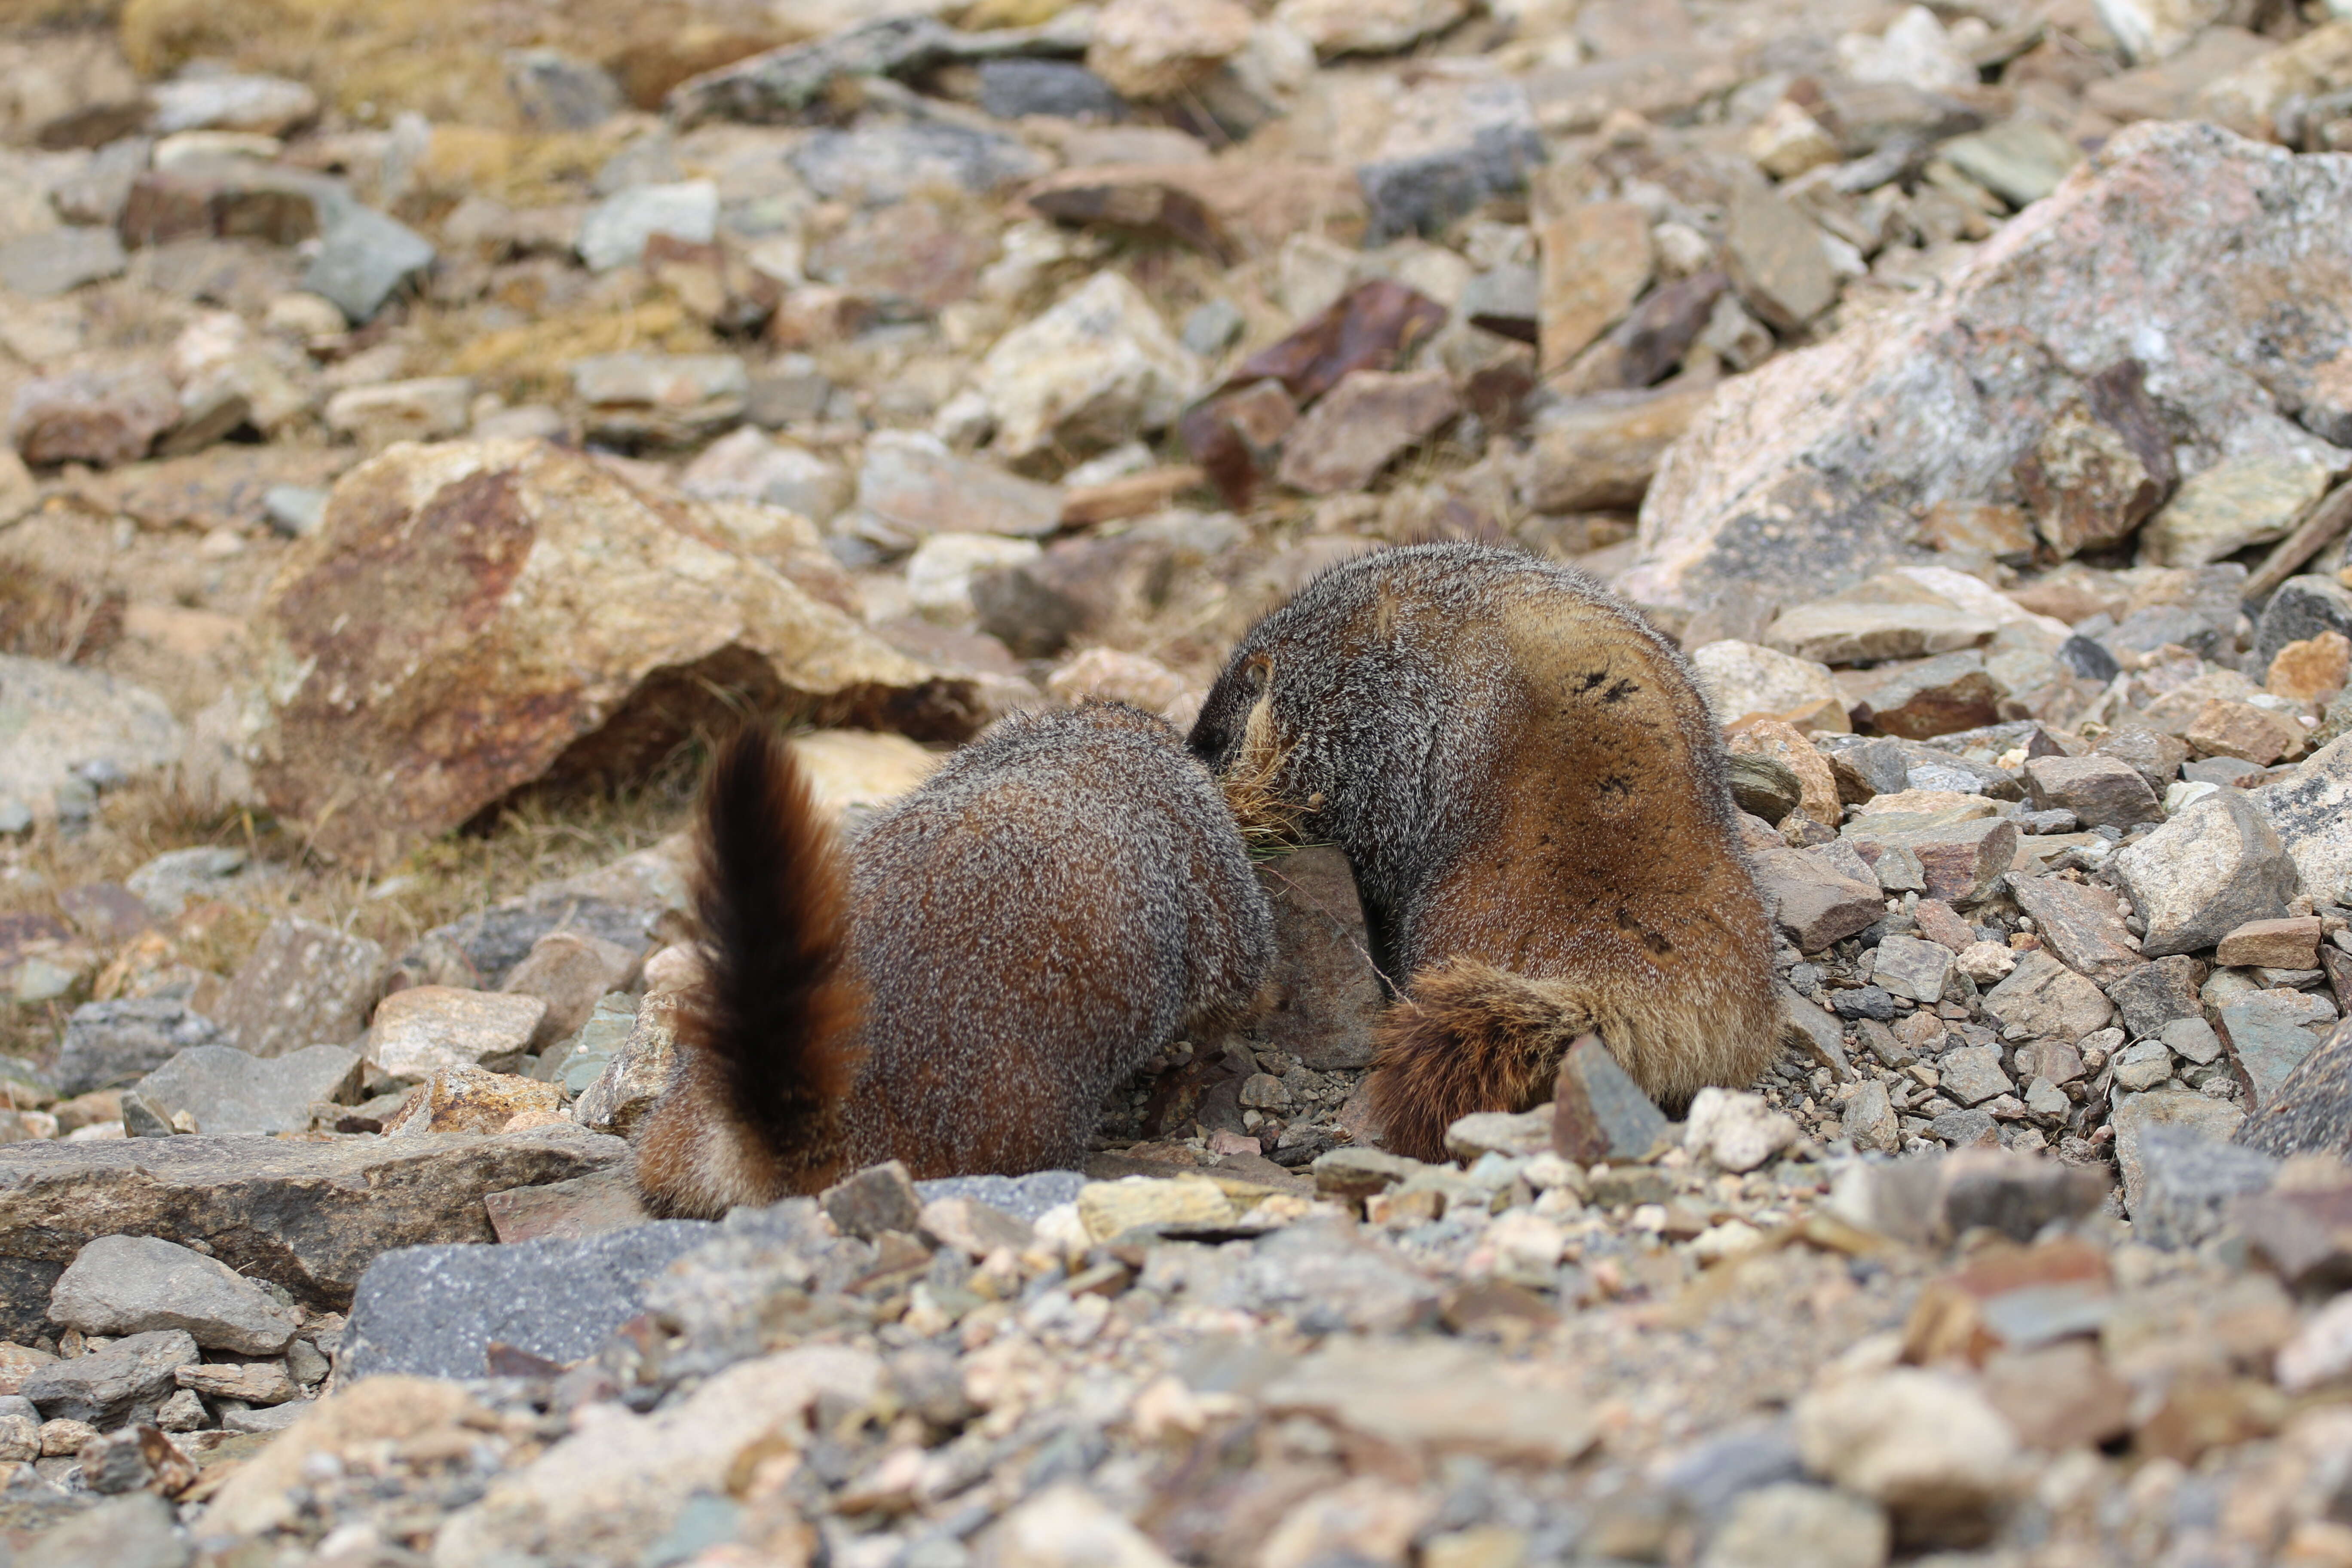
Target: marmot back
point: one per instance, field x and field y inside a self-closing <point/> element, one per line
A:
<point x="1059" y="900"/>
<point x="1530" y="790"/>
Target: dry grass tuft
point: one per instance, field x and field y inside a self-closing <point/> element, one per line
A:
<point x="1268" y="822"/>
<point x="537" y="838"/>
<point x="44" y="615"/>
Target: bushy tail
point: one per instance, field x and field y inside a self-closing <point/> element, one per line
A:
<point x="770" y="1039"/>
<point x="1468" y="1037"/>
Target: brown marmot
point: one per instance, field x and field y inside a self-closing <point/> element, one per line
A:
<point x="1059" y="900"/>
<point x="1531" y="791"/>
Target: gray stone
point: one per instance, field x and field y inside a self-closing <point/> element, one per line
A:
<point x="581" y="1060"/>
<point x="308" y="1216"/>
<point x="2021" y="160"/>
<point x="294" y="510"/>
<point x="635" y="1079"/>
<point x="1010" y="88"/>
<point x="2312" y="815"/>
<point x="2302" y="609"/>
<point x="1022" y="1197"/>
<point x="880" y="162"/>
<point x="227" y="101"/>
<point x="2188" y="1180"/>
<point x="1713" y="1476"/>
<point x="229" y="1091"/>
<point x="123" y="1385"/>
<point x="1967" y="1129"/>
<point x="1450" y="146"/>
<point x="2154" y="994"/>
<point x="2045" y="998"/>
<point x="65" y="730"/>
<point x="59" y="260"/>
<point x="1774" y="256"/>
<point x="363" y="256"/>
<point x="790" y="85"/>
<point x="1813" y="901"/>
<point x="2099" y="791"/>
<point x="109" y="1044"/>
<point x="665" y="399"/>
<point x="2310" y="1111"/>
<point x="876" y="1199"/>
<point x="2192" y="1038"/>
<point x="1872" y="1002"/>
<point x="1842" y="631"/>
<point x="1599" y="1111"/>
<point x="1210" y="327"/>
<point x="303" y="985"/>
<point x="2270" y="1033"/>
<point x="424" y="1029"/>
<point x="140" y="1530"/>
<point x="1909" y="967"/>
<point x="2142" y="1065"/>
<point x="2136" y="1114"/>
<point x="1869" y="1121"/>
<point x="1763" y="786"/>
<point x="1789" y="1524"/>
<point x="139" y="1284"/>
<point x="1973" y="1074"/>
<point x="2216" y="865"/>
<point x="614" y="231"/>
<point x="556" y="92"/>
<point x="434" y="1312"/>
<point x="481" y="949"/>
<point x="2080" y="923"/>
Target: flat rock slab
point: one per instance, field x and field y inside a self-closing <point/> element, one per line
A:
<point x="309" y="1217"/>
<point x="433" y="1311"/>
<point x="141" y="1284"/>
<point x="230" y="1092"/>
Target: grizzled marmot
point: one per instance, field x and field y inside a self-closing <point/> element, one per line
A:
<point x="1530" y="790"/>
<point x="1059" y="901"/>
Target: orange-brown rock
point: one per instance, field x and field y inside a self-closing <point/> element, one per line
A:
<point x="2312" y="671"/>
<point x="475" y="616"/>
<point x="1781" y="742"/>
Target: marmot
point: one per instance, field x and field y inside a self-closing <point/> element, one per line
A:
<point x="1059" y="901"/>
<point x="1531" y="791"/>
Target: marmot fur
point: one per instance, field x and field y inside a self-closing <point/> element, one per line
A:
<point x="1059" y="900"/>
<point x="1531" y="791"/>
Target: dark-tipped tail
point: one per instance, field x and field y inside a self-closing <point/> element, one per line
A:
<point x="1468" y="1037"/>
<point x="768" y="1040"/>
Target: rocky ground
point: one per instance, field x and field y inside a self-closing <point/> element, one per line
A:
<point x="428" y="423"/>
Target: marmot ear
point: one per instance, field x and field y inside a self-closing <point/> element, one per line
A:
<point x="1259" y="673"/>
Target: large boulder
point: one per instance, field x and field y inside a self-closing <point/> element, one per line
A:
<point x="2168" y="251"/>
<point x="475" y="616"/>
